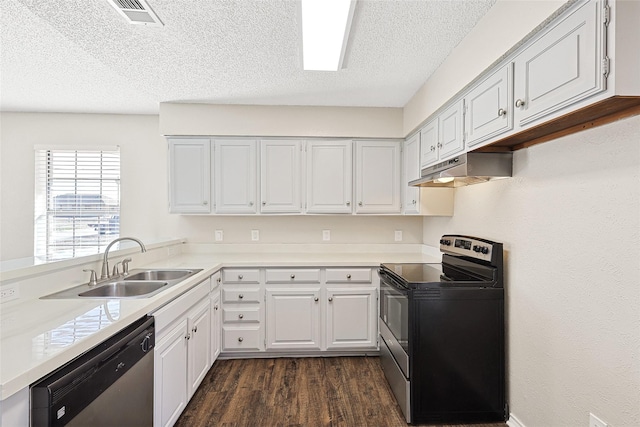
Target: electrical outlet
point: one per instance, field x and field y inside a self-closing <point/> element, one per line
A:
<point x="398" y="235"/>
<point x="255" y="235"/>
<point x="9" y="292"/>
<point x="326" y="234"/>
<point x="219" y="235"/>
<point x="596" y="422"/>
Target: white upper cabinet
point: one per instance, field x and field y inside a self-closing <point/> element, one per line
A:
<point x="378" y="176"/>
<point x="489" y="107"/>
<point x="450" y="135"/>
<point x="443" y="136"/>
<point x="280" y="176"/>
<point x="429" y="143"/>
<point x="411" y="171"/>
<point x="189" y="175"/>
<point x="329" y="176"/>
<point x="562" y="66"/>
<point x="235" y="170"/>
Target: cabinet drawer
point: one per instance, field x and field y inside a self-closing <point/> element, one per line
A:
<point x="240" y="275"/>
<point x="240" y="339"/>
<point x="291" y="275"/>
<point x="348" y="275"/>
<point x="240" y="294"/>
<point x="241" y="314"/>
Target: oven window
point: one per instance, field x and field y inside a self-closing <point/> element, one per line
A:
<point x="394" y="312"/>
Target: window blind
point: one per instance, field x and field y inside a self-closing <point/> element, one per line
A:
<point x="77" y="202"/>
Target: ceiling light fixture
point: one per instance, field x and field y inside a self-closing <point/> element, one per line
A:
<point x="325" y="33"/>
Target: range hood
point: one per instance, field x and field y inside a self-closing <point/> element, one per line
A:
<point x="466" y="169"/>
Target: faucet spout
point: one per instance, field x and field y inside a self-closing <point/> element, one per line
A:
<point x="105" y="261"/>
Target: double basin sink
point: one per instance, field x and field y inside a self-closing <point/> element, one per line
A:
<point x="137" y="284"/>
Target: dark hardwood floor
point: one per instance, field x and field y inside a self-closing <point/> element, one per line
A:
<point x="332" y="391"/>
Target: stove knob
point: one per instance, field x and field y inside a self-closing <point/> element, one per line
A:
<point x="447" y="242"/>
<point x="442" y="241"/>
<point x="476" y="248"/>
<point x="485" y="250"/>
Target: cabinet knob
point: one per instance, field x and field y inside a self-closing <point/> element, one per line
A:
<point x="250" y="203"/>
<point x="348" y="203"/>
<point x="187" y="337"/>
<point x="240" y="316"/>
<point x="502" y="112"/>
<point x="439" y="145"/>
<point x="315" y="299"/>
<point x="413" y="202"/>
<point x="359" y="203"/>
<point x="432" y="148"/>
<point x="240" y="276"/>
<point x="205" y="203"/>
<point x="348" y="276"/>
<point x="264" y="203"/>
<point x="330" y="299"/>
<point x="519" y="103"/>
<point x="219" y="280"/>
<point x="240" y="339"/>
<point x="215" y="307"/>
<point x="240" y="296"/>
<point x="195" y="329"/>
<point x="293" y="276"/>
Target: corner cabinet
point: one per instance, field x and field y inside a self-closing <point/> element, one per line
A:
<point x="378" y="165"/>
<point x="329" y="176"/>
<point x="189" y="175"/>
<point x="235" y="176"/>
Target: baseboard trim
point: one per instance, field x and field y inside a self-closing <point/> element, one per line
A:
<point x="514" y="421"/>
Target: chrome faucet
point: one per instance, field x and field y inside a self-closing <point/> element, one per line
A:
<point x="105" y="260"/>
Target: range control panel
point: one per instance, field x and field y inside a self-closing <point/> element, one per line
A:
<point x="467" y="246"/>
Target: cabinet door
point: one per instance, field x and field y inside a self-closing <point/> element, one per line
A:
<point x="351" y="317"/>
<point x="411" y="171"/>
<point x="235" y="180"/>
<point x="170" y="376"/>
<point x="280" y="179"/>
<point x="561" y="67"/>
<point x="429" y="143"/>
<point x="189" y="175"/>
<point x="216" y="325"/>
<point x="450" y="134"/>
<point x="199" y="345"/>
<point x="329" y="176"/>
<point x="488" y="107"/>
<point x="293" y="318"/>
<point x="378" y="176"/>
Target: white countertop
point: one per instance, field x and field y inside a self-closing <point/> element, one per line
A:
<point x="38" y="336"/>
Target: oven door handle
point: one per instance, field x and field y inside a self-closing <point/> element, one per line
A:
<point x="389" y="280"/>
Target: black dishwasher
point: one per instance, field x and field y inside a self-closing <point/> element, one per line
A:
<point x="109" y="385"/>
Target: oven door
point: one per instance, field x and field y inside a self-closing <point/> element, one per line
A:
<point x="394" y="318"/>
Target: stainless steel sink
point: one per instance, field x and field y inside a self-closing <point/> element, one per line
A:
<point x="159" y="275"/>
<point x="142" y="283"/>
<point x="124" y="289"/>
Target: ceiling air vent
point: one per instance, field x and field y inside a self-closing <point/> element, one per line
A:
<point x="136" y="12"/>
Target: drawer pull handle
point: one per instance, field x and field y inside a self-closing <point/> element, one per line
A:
<point x="293" y="276"/>
<point x="240" y="296"/>
<point x="348" y="276"/>
<point x="240" y="277"/>
<point x="240" y="339"/>
<point x="240" y="316"/>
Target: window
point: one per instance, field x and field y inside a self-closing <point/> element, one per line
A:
<point x="77" y="202"/>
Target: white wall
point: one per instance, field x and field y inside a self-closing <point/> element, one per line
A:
<point x="144" y="204"/>
<point x="570" y="221"/>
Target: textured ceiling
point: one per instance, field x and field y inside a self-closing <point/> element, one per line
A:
<point x="82" y="56"/>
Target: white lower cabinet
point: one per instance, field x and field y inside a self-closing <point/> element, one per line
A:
<point x="293" y="318"/>
<point x="216" y="317"/>
<point x="351" y="317"/>
<point x="182" y="355"/>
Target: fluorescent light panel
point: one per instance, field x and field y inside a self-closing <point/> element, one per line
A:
<point x="325" y="32"/>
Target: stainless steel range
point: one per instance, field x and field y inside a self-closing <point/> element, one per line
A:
<point x="442" y="333"/>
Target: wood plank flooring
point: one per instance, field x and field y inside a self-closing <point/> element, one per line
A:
<point x="314" y="391"/>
